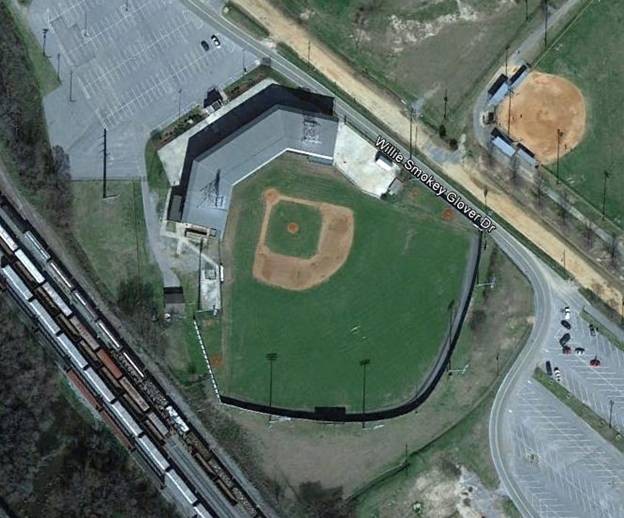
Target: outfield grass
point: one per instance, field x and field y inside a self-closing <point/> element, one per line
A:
<point x="388" y="303"/>
<point x="300" y="243"/>
<point x="589" y="54"/>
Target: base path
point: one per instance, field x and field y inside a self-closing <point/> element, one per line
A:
<point x="544" y="104"/>
<point x="296" y="273"/>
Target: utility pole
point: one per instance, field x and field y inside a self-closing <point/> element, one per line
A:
<point x="71" y="84"/>
<point x="179" y="102"/>
<point x="104" y="162"/>
<point x="271" y="357"/>
<point x="445" y="101"/>
<point x="604" y="193"/>
<point x="45" y="37"/>
<point x="509" y="116"/>
<point x="526" y="10"/>
<point x="363" y="364"/>
<point x="559" y="135"/>
<point x="58" y="65"/>
<point x="611" y="403"/>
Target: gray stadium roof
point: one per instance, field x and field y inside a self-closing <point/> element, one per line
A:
<point x="276" y="120"/>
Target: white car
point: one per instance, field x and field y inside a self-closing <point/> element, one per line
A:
<point x="566" y="312"/>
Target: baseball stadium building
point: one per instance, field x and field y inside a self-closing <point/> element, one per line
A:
<point x="275" y="120"/>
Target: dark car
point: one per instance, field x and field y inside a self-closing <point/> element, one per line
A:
<point x="564" y="339"/>
<point x="592" y="329"/>
<point x="548" y="368"/>
<point x="566" y="324"/>
<point x="215" y="40"/>
<point x="205" y="45"/>
<point x="566" y="349"/>
<point x="594" y="362"/>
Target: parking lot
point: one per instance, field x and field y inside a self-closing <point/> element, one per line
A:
<point x="563" y="467"/>
<point x="130" y="67"/>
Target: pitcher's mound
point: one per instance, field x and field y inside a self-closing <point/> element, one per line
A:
<point x="543" y="104"/>
<point x="293" y="228"/>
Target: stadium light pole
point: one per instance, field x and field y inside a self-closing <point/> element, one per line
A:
<point x="271" y="357"/>
<point x="58" y="65"/>
<point x="201" y="248"/>
<point x="526" y="10"/>
<point x="445" y="102"/>
<point x="363" y="364"/>
<point x="545" y="23"/>
<point x="604" y="193"/>
<point x="506" y="58"/>
<point x="179" y="102"/>
<point x="71" y="84"/>
<point x="509" y="116"/>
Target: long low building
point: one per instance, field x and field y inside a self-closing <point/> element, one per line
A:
<point x="275" y="120"/>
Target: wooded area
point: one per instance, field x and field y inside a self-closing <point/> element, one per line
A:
<point x="55" y="459"/>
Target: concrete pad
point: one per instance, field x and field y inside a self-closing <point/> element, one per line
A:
<point x="354" y="157"/>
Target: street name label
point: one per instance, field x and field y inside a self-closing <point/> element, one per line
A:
<point x="429" y="180"/>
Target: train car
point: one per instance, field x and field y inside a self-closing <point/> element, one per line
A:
<point x="158" y="424"/>
<point x="89" y="352"/>
<point x="126" y="420"/>
<point x="134" y="366"/>
<point x="82" y="300"/>
<point x="67" y="327"/>
<point x="113" y="382"/>
<point x="202" y="512"/>
<point x="7" y="243"/>
<point x="57" y="299"/>
<point x="204" y="465"/>
<point x="46" y="300"/>
<point x="108" y="335"/>
<point x="109" y="363"/>
<point x="85" y="334"/>
<point x="98" y="385"/>
<point x="226" y="491"/>
<point x="60" y="276"/>
<point x="119" y="433"/>
<point x="69" y="350"/>
<point x="174" y="480"/>
<point x="44" y="318"/>
<point x="154" y="431"/>
<point x="45" y="256"/>
<point x="16" y="283"/>
<point x="28" y="268"/>
<point x="133" y="393"/>
<point x="153" y="454"/>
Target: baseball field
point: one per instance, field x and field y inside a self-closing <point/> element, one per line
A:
<point x="589" y="54"/>
<point x="321" y="279"/>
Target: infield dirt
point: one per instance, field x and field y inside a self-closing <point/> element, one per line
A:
<point x="544" y="104"/>
<point x="296" y="273"/>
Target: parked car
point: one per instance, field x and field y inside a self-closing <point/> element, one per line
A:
<point x="579" y="350"/>
<point x="205" y="45"/>
<point x="548" y="368"/>
<point x="592" y="329"/>
<point x="566" y="349"/>
<point x="564" y="339"/>
<point x="557" y="373"/>
<point x="215" y="40"/>
<point x="594" y="362"/>
<point x="566" y="312"/>
<point x="566" y="324"/>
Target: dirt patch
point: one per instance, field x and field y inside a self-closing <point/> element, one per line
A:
<point x="216" y="360"/>
<point x="448" y="214"/>
<point x="543" y="104"/>
<point x="292" y="228"/>
<point x="295" y="273"/>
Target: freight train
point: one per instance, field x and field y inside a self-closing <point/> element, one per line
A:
<point x="104" y="370"/>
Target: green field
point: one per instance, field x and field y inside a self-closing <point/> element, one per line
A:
<point x="388" y="303"/>
<point x="300" y="243"/>
<point x="407" y="46"/>
<point x="590" y="55"/>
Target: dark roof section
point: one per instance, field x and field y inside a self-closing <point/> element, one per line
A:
<point x="173" y="295"/>
<point x="497" y="84"/>
<point x="517" y="74"/>
<point x="244" y="113"/>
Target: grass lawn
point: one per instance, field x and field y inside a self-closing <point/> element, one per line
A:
<point x="112" y="233"/>
<point x="406" y="46"/>
<point x="589" y="54"/>
<point x="388" y="303"/>
<point x="284" y="238"/>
